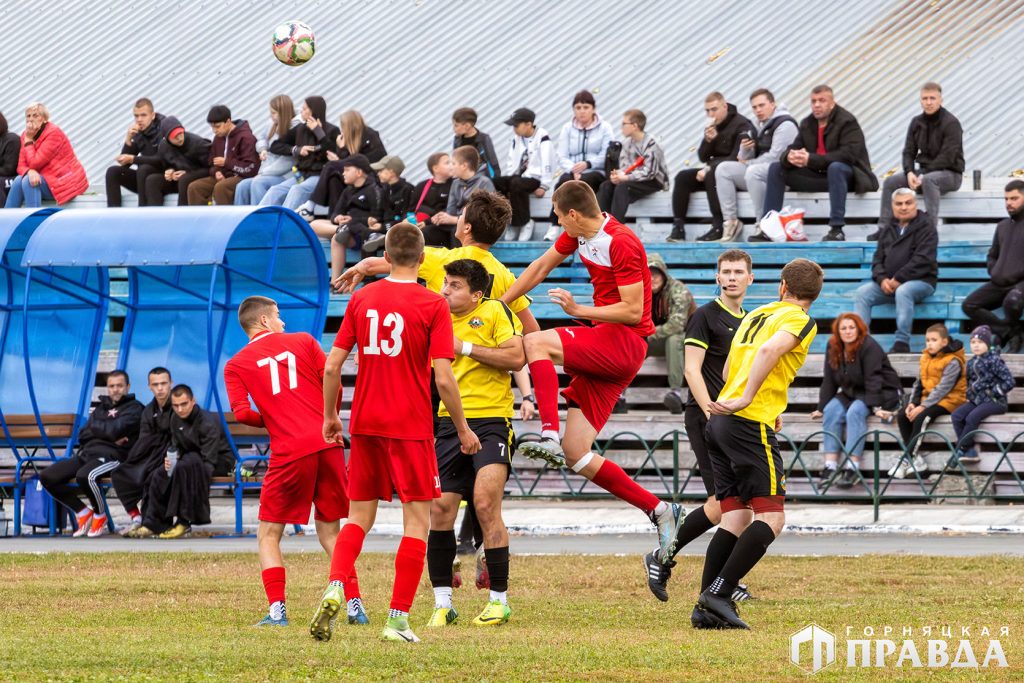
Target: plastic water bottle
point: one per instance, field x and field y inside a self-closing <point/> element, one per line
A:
<point x="172" y="458"/>
<point x="297" y="174"/>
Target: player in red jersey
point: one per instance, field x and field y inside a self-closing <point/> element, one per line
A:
<point x="283" y="375"/>
<point x="398" y="328"/>
<point x="601" y="359"/>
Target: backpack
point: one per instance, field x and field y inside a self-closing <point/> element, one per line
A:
<point x="611" y="157"/>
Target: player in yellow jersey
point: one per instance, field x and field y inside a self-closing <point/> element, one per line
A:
<point x="488" y="345"/>
<point x="768" y="348"/>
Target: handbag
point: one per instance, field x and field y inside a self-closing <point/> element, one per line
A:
<point x="36" y="508"/>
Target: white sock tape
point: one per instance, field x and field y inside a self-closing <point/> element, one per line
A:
<point x="582" y="462"/>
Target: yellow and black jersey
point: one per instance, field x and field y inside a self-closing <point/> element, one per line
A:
<point x="485" y="391"/>
<point x="501" y="278"/>
<point x="758" y="327"/>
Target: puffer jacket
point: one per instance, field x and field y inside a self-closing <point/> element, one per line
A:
<point x="671" y="307"/>
<point x="576" y="144"/>
<point x="51" y="155"/>
<point x="988" y="379"/>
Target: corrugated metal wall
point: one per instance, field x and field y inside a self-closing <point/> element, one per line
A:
<point x="406" y="64"/>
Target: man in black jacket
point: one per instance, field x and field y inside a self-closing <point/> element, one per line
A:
<point x="181" y="490"/>
<point x="905" y="268"/>
<point x="722" y="137"/>
<point x="933" y="156"/>
<point x="829" y="155"/>
<point x="104" y="441"/>
<point x="1006" y="269"/>
<point x="130" y="479"/>
<point x="142" y="139"/>
<point x="180" y="158"/>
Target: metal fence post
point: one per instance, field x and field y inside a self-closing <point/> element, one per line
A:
<point x="875" y="497"/>
<point x="675" y="465"/>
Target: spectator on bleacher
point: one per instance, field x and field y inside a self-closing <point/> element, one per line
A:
<point x="582" y="148"/>
<point x="355" y="138"/>
<point x="357" y="216"/>
<point x="905" y="268"/>
<point x="775" y="130"/>
<point x="724" y="130"/>
<point x="131" y="477"/>
<point x="47" y="165"/>
<point x="829" y="155"/>
<point x="671" y="306"/>
<point x="468" y="178"/>
<point x="104" y="441"/>
<point x="857" y="380"/>
<point x="530" y="167"/>
<point x="430" y="197"/>
<point x="10" y="147"/>
<point x="142" y="139"/>
<point x="466" y="133"/>
<point x="274" y="168"/>
<point x="642" y="169"/>
<point x="1005" y="288"/>
<point x="940" y="389"/>
<point x="397" y="191"/>
<point x="310" y="145"/>
<point x="989" y="383"/>
<point x="232" y="158"/>
<point x="180" y="490"/>
<point x="933" y="156"/>
<point x="181" y="157"/>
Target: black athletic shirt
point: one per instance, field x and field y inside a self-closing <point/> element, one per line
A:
<point x="711" y="327"/>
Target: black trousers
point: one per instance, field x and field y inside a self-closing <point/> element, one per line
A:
<point x="980" y="305"/>
<point x="86" y="470"/>
<point x="908" y="429"/>
<point x="517" y="189"/>
<point x="330" y="185"/>
<point x="184" y="495"/>
<point x="440" y="236"/>
<point x="129" y="178"/>
<point x="131" y="478"/>
<point x="592" y="178"/>
<point x="615" y="199"/>
<point x="685" y="185"/>
<point x="157" y="188"/>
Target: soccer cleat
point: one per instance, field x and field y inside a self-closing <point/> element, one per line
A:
<point x="397" y="630"/>
<point x="548" y="450"/>
<point x="723" y="608"/>
<point x="141" y="532"/>
<point x="442" y="616"/>
<point x="98" y="526"/>
<point x="668" y="526"/>
<point x="495" y="613"/>
<point x="702" y="619"/>
<point x="483" y="577"/>
<point x="356" y="613"/>
<point x="84" y="522"/>
<point x="177" y="531"/>
<point x="457" y="573"/>
<point x="740" y="593"/>
<point x="271" y="621"/>
<point x="322" y="624"/>
<point x="658" y="574"/>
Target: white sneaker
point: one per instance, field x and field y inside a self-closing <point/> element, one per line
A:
<point x="920" y="464"/>
<point x="732" y="230"/>
<point x="130" y="527"/>
<point x="899" y="469"/>
<point x="553" y="232"/>
<point x="526" y="232"/>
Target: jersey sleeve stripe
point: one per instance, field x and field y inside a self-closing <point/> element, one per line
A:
<point x="807" y="329"/>
<point x="508" y="313"/>
<point x="692" y="341"/>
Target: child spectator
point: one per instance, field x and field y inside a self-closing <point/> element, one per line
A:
<point x="274" y="168"/>
<point x="397" y="190"/>
<point x="988" y="383"/>
<point x="939" y="390"/>
<point x="465" y="162"/>
<point x="466" y="133"/>
<point x="430" y="197"/>
<point x="233" y="157"/>
<point x="642" y="169"/>
<point x="357" y="214"/>
<point x="531" y="162"/>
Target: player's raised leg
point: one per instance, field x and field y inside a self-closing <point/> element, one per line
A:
<point x="543" y="352"/>
<point x="441" y="551"/>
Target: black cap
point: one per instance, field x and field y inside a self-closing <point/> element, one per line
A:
<point x="521" y="115"/>
<point x="359" y="161"/>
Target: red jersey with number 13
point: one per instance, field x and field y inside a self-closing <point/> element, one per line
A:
<point x="283" y="373"/>
<point x="614" y="258"/>
<point x="398" y="328"/>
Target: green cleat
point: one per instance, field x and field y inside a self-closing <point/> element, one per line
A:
<point x="547" y="450"/>
<point x="323" y="620"/>
<point x="442" y="616"/>
<point x="495" y="613"/>
<point x="397" y="630"/>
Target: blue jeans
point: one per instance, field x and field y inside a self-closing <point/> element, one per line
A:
<point x="251" y="191"/>
<point x="854" y="418"/>
<point x="837" y="181"/>
<point x="22" y="190"/>
<point x="907" y="296"/>
<point x="289" y="193"/>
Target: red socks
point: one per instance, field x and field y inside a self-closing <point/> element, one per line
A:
<point x="615" y="481"/>
<point x="273" y="584"/>
<point x="346" y="550"/>
<point x="545" y="389"/>
<point x="352" y="586"/>
<point x="412" y="553"/>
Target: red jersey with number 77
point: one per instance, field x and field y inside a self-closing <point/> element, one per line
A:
<point x="614" y="258"/>
<point x="283" y="374"/>
<point x="398" y="327"/>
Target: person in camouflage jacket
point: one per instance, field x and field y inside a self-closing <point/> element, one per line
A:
<point x="989" y="382"/>
<point x="671" y="305"/>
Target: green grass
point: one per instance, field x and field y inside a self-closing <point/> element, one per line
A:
<point x="188" y="617"/>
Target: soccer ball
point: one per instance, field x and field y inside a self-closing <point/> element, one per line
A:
<point x="294" y="43"/>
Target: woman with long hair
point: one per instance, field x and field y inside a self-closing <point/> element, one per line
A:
<point x="274" y="168"/>
<point x="857" y="381"/>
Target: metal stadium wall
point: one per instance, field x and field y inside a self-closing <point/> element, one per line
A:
<point x="406" y="64"/>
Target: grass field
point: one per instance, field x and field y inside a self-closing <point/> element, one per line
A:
<point x="179" y="617"/>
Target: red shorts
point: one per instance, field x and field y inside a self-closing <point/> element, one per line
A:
<point x="290" y="488"/>
<point x="379" y="466"/>
<point x="602" y="361"/>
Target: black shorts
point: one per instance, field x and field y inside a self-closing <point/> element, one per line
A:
<point x="745" y="457"/>
<point x="696" y="425"/>
<point x="458" y="470"/>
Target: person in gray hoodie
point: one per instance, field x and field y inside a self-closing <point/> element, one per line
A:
<point x="642" y="169"/>
<point x="774" y="131"/>
<point x="467" y="177"/>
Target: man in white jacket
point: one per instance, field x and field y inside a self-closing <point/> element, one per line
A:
<point x="531" y="165"/>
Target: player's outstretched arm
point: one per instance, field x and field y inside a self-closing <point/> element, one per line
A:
<point x="448" y="389"/>
<point x="534" y="274"/>
<point x="510" y="355"/>
<point x="780" y="343"/>
<point x="332" y="430"/>
<point x="350" y="279"/>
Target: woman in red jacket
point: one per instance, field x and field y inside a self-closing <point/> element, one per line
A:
<point x="47" y="166"/>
